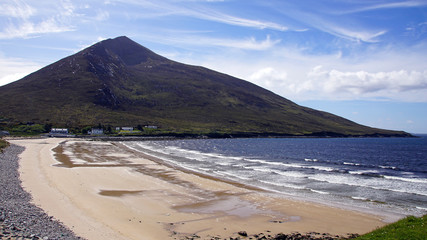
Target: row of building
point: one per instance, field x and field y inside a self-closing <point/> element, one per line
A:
<point x="94" y="131"/>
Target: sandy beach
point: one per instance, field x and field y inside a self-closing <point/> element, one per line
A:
<point x="104" y="190"/>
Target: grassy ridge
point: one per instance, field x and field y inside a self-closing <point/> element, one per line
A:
<point x="410" y="228"/>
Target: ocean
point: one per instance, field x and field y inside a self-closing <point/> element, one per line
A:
<point x="387" y="176"/>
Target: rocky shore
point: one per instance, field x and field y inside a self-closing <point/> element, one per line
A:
<point x="20" y="219"/>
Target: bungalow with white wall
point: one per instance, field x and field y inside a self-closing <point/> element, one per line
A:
<point x="59" y="132"/>
<point x="96" y="131"/>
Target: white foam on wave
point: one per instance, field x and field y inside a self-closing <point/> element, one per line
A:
<point x="164" y="157"/>
<point x="360" y="198"/>
<point x="286" y="172"/>
<point x="201" y="156"/>
<point x="230" y="175"/>
<point x="293" y="174"/>
<point x="364" y="172"/>
<point x="261" y="169"/>
<point x="326" y="169"/>
<point x="310" y="160"/>
<point x="373" y="183"/>
<point x="293" y="165"/>
<point x="319" y="192"/>
<point x="421" y="208"/>
<point x="351" y="164"/>
<point x="414" y="180"/>
<point x="286" y="185"/>
<point x="411" y="191"/>
<point x="388" y="167"/>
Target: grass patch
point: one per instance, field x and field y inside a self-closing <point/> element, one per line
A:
<point x="28" y="130"/>
<point x="3" y="144"/>
<point x="408" y="228"/>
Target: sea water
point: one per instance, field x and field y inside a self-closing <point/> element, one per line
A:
<point x="387" y="175"/>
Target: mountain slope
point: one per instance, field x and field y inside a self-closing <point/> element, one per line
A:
<point x="118" y="82"/>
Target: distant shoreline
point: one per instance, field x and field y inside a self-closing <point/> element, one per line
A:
<point x="230" y="136"/>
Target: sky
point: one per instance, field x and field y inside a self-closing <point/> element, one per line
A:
<point x="365" y="60"/>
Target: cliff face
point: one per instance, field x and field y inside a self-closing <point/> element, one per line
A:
<point x="119" y="82"/>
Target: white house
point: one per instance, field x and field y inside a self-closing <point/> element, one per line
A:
<point x="59" y="132"/>
<point x="96" y="131"/>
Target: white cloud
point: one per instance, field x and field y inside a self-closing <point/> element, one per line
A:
<point x="335" y="84"/>
<point x="233" y="20"/>
<point x="12" y="69"/>
<point x="333" y="81"/>
<point x="365" y="36"/>
<point x="336" y="24"/>
<point x="27" y="29"/>
<point x="388" y="5"/>
<point x="102" y="15"/>
<point x="27" y="21"/>
<point x="66" y="8"/>
<point x="250" y="43"/>
<point x="163" y="8"/>
<point x="19" y="9"/>
<point x="342" y="29"/>
<point x="290" y="72"/>
<point x="269" y="77"/>
<point x="177" y="38"/>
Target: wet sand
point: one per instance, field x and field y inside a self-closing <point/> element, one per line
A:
<point x="104" y="190"/>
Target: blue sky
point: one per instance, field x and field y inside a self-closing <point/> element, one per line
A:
<point x="365" y="60"/>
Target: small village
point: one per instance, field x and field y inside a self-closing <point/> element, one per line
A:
<point x="65" y="132"/>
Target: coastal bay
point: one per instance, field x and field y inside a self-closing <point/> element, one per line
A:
<point x="107" y="190"/>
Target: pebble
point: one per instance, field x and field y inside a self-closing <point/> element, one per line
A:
<point x="19" y="218"/>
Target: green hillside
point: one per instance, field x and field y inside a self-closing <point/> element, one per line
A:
<point x="118" y="82"/>
<point x="411" y="227"/>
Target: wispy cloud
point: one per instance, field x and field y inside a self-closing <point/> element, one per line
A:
<point x="200" y="12"/>
<point x="233" y="20"/>
<point x="249" y="44"/>
<point x="338" y="27"/>
<point x="387" y="5"/>
<point x="24" y="22"/>
<point x="188" y="39"/>
<point x="16" y="9"/>
<point x="27" y="29"/>
<point x="102" y="15"/>
<point x="355" y="35"/>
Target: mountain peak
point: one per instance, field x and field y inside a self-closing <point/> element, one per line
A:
<point x="130" y="52"/>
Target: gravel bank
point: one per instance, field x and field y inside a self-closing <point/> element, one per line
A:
<point x="20" y="219"/>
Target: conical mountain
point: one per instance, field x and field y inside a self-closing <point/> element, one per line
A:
<point x="118" y="82"/>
